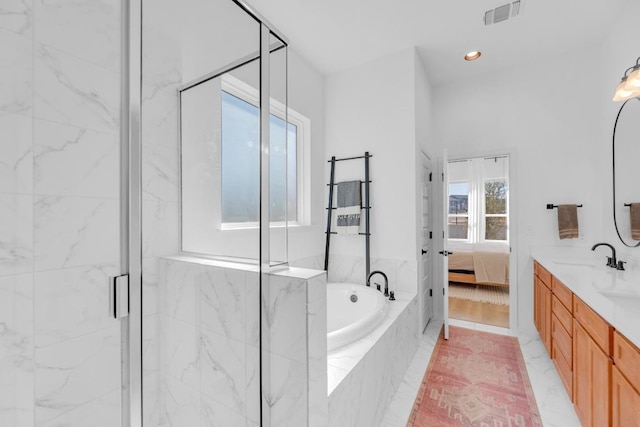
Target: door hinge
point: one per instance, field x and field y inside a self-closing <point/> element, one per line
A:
<point x="119" y="296"/>
<point x="430" y="292"/>
<point x="430" y="176"/>
<point x="431" y="234"/>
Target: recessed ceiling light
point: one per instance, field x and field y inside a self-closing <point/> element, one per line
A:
<point x="473" y="55"/>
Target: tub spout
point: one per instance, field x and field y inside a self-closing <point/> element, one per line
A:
<point x="386" y="281"/>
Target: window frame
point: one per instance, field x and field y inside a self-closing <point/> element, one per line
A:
<point x="485" y="215"/>
<point x="251" y="95"/>
<point x="459" y="215"/>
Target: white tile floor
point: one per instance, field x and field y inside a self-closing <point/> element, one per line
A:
<point x="554" y="405"/>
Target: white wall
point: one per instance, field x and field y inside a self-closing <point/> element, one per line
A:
<point x="371" y="107"/>
<point x="545" y="116"/>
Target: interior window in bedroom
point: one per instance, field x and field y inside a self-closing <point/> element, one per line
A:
<point x="458" y="210"/>
<point x="495" y="217"/>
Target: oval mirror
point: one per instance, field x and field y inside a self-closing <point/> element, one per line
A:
<point x="626" y="158"/>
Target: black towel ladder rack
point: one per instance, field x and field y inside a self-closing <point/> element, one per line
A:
<point x="366" y="207"/>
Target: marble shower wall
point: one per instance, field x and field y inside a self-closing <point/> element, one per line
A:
<point x="211" y="348"/>
<point x="59" y="204"/>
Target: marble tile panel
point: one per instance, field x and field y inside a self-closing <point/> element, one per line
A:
<point x="160" y="166"/>
<point x="182" y="404"/>
<point x="224" y="370"/>
<point x="160" y="115"/>
<point x="72" y="373"/>
<point x="16" y="234"/>
<point x="160" y="228"/>
<point x="286" y="315"/>
<point x="317" y="349"/>
<point x="71" y="161"/>
<point x="388" y="267"/>
<point x="223" y="302"/>
<point x="87" y="30"/>
<point x="346" y="269"/>
<point x="72" y="232"/>
<point x="16" y="68"/>
<point x="102" y="412"/>
<point x="161" y="50"/>
<point x="152" y="402"/>
<point x="152" y="327"/>
<point x="407" y="275"/>
<point x="17" y="16"/>
<point x="340" y="411"/>
<point x="181" y="348"/>
<point x="253" y="395"/>
<point x="16" y="154"/>
<point x="16" y="350"/>
<point x="252" y="283"/>
<point x="151" y="286"/>
<point x="214" y="414"/>
<point x="180" y="291"/>
<point x="71" y="302"/>
<point x="287" y="397"/>
<point x="71" y="91"/>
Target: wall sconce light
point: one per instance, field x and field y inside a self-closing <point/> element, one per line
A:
<point x="629" y="86"/>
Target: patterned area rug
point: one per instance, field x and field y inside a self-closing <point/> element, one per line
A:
<point x="484" y="293"/>
<point x="475" y="379"/>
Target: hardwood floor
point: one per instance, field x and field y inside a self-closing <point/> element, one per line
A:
<point x="480" y="312"/>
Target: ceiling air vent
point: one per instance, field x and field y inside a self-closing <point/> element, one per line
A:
<point x="502" y="13"/>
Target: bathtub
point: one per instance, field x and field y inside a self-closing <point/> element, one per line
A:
<point x="352" y="312"/>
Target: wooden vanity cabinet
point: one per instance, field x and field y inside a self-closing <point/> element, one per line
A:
<point x="625" y="383"/>
<point x="542" y="304"/>
<point x="591" y="379"/>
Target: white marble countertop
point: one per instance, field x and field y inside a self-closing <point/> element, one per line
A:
<point x="613" y="294"/>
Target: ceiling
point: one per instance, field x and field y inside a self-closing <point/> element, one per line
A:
<point x="334" y="35"/>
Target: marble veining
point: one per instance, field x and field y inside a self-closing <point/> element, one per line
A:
<point x="17" y="16"/>
<point x="72" y="91"/>
<point x="16" y="67"/>
<point x="16" y="158"/>
<point x="16" y="234"/>
<point x="70" y="161"/>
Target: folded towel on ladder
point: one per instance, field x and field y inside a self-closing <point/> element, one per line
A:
<point x="349" y="206"/>
<point x="634" y="212"/>
<point x="568" y="221"/>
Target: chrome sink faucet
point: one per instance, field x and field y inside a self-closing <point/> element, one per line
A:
<point x="611" y="261"/>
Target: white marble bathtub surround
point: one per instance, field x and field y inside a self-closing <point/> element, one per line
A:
<point x="16" y="234"/>
<point x="317" y="351"/>
<point x="87" y="30"/>
<point x="75" y="372"/>
<point x="402" y="274"/>
<point x="69" y="303"/>
<point x="73" y="232"/>
<point x="72" y="91"/>
<point x="72" y="161"/>
<point x="16" y="67"/>
<point x="17" y="16"/>
<point x="16" y="350"/>
<point x="16" y="156"/>
<point x="373" y="366"/>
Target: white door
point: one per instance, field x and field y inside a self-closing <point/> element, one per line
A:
<point x="426" y="287"/>
<point x="445" y="234"/>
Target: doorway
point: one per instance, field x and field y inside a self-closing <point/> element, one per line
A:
<point x="478" y="193"/>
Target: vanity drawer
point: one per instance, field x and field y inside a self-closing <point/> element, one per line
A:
<point x="561" y="339"/>
<point x="542" y="273"/>
<point x="562" y="292"/>
<point x="564" y="369"/>
<point x="564" y="315"/>
<point x="599" y="330"/>
<point x="626" y="357"/>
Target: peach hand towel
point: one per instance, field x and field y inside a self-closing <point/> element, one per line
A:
<point x="568" y="221"/>
<point x="634" y="212"/>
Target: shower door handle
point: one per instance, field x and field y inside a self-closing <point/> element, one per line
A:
<point x="119" y="296"/>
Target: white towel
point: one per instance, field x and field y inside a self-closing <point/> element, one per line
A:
<point x="349" y="206"/>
